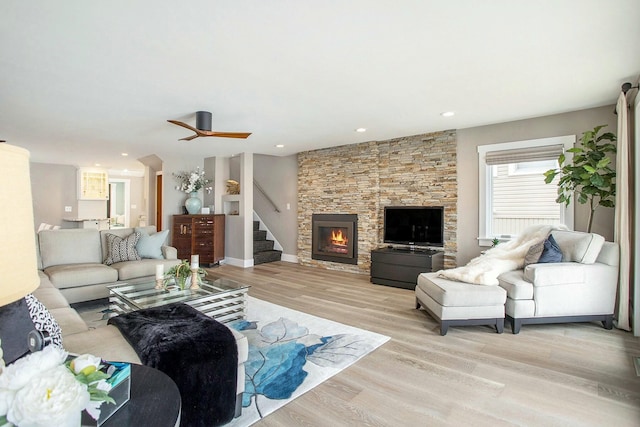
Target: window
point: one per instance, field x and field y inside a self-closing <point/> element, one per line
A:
<point x="513" y="194"/>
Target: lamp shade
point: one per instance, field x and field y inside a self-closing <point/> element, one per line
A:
<point x="18" y="259"/>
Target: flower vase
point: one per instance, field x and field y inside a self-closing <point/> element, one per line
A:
<point x="193" y="203"/>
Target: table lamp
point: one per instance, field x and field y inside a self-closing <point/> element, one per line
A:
<point x="18" y="259"/>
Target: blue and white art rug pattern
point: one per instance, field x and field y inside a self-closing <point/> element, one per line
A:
<point x="291" y="352"/>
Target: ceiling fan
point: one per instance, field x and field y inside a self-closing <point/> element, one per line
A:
<point x="203" y="128"/>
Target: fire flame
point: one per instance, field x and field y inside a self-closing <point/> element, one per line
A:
<point x="337" y="238"/>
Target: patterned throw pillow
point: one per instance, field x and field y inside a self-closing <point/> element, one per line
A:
<point x="121" y="249"/>
<point x="43" y="320"/>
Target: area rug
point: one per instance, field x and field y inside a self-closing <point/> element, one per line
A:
<point x="290" y="353"/>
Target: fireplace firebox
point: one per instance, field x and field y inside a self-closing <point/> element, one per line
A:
<point x="335" y="238"/>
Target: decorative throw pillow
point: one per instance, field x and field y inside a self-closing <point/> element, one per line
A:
<point x="150" y="245"/>
<point x="43" y="320"/>
<point x="121" y="249"/>
<point x="551" y="251"/>
<point x="533" y="254"/>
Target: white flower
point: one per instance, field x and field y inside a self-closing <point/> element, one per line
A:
<point x="192" y="181"/>
<point x="19" y="373"/>
<point x="6" y="399"/>
<point x="85" y="363"/>
<point x="53" y="398"/>
<point x="41" y="390"/>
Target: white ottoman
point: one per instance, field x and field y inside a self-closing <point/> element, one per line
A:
<point x="456" y="303"/>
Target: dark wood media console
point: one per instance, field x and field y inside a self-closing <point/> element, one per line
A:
<point x="400" y="267"/>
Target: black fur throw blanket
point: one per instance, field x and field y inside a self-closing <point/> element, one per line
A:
<point x="196" y="351"/>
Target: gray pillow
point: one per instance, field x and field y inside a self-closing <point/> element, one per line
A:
<point x="150" y="245"/>
<point x="533" y="254"/>
<point x="121" y="249"/>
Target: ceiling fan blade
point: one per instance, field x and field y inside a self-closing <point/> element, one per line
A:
<point x="242" y="135"/>
<point x="184" y="125"/>
<point x="189" y="138"/>
<point x="200" y="132"/>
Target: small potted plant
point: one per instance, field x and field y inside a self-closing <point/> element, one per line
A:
<point x="181" y="275"/>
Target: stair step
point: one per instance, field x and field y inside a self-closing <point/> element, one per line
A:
<point x="256" y="225"/>
<point x="259" y="235"/>
<point x="262" y="245"/>
<point x="266" y="256"/>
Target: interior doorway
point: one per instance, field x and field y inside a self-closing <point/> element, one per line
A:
<point x="118" y="205"/>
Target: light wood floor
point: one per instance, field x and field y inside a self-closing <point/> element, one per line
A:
<point x="575" y="374"/>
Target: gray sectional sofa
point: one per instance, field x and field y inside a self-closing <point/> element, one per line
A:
<point x="106" y="341"/>
<point x="72" y="270"/>
<point x="73" y="260"/>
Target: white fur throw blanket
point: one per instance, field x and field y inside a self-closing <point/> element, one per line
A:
<point x="485" y="269"/>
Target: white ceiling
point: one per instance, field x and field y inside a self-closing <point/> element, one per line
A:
<point x="83" y="81"/>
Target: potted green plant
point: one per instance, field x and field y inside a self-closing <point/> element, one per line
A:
<point x="181" y="275"/>
<point x="589" y="176"/>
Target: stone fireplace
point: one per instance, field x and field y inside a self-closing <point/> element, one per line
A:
<point x="418" y="170"/>
<point x="335" y="238"/>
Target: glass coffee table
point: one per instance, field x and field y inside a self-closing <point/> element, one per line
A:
<point x="223" y="299"/>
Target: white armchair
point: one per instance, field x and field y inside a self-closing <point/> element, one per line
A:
<point x="581" y="288"/>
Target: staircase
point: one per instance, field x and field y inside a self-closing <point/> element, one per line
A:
<point x="262" y="248"/>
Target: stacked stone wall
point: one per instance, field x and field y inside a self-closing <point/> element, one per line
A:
<point x="363" y="178"/>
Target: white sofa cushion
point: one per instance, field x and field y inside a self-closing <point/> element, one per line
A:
<point x="450" y="293"/>
<point x="128" y="270"/>
<point x="609" y="254"/>
<point x="516" y="285"/>
<point x="69" y="320"/>
<point x="72" y="275"/>
<point x="73" y="246"/>
<point x="577" y="246"/>
<point x="105" y="341"/>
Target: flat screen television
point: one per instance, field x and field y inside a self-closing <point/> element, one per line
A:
<point x="414" y="225"/>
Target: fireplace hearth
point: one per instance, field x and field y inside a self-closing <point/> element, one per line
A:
<point x="335" y="238"/>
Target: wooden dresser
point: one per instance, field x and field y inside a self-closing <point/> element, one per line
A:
<point x="199" y="234"/>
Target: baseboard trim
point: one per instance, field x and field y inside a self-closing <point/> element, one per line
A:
<point x="237" y="262"/>
<point x="289" y="258"/>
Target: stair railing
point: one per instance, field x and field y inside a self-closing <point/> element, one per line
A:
<point x="266" y="196"/>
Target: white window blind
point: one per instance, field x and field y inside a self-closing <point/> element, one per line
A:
<point x="498" y="190"/>
<point x="521" y="155"/>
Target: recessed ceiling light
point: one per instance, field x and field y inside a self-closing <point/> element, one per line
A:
<point x="280" y="146"/>
<point x="97" y="164"/>
<point x="361" y="130"/>
<point x="125" y="154"/>
<point x="447" y="114"/>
